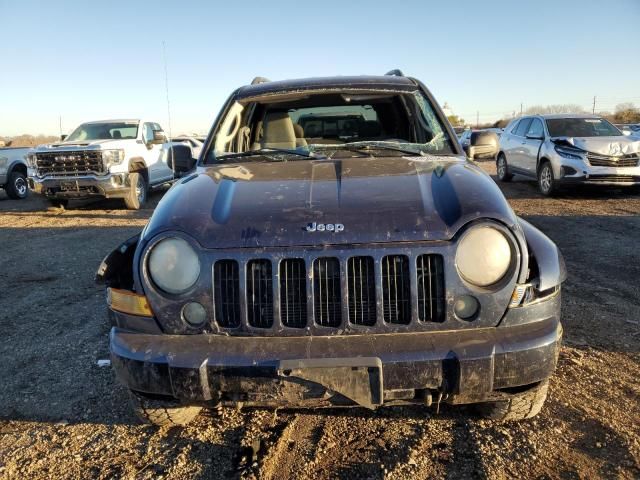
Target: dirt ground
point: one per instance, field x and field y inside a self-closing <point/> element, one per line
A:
<point x="63" y="416"/>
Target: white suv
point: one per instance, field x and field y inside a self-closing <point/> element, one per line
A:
<point x="108" y="158"/>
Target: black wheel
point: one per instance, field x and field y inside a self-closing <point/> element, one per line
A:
<point x="503" y="168"/>
<point x="546" y="181"/>
<point x="521" y="406"/>
<point x="138" y="189"/>
<point x="58" y="202"/>
<point x="162" y="412"/>
<point x="17" y="187"/>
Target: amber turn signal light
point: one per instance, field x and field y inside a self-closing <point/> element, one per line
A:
<point x="128" y="302"/>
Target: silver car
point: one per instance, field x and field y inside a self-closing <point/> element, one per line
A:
<point x="560" y="149"/>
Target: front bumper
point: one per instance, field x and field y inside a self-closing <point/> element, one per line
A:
<point x="578" y="171"/>
<point x="465" y="366"/>
<point x="110" y="186"/>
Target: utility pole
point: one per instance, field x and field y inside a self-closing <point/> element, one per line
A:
<point x="477" y="119"/>
<point x="60" y="124"/>
<point x="594" y="105"/>
<point x="520" y="108"/>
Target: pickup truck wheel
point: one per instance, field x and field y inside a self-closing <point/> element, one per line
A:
<point x="546" y="182"/>
<point x="503" y="168"/>
<point x="17" y="187"/>
<point x="162" y="412"/>
<point x="137" y="195"/>
<point x="521" y="406"/>
<point x="58" y="203"/>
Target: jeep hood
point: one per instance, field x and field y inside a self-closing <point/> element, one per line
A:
<point x="618" y="145"/>
<point x="269" y="204"/>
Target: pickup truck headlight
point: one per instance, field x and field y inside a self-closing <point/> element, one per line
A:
<point x="174" y="265"/>
<point x="483" y="256"/>
<point x="31" y="160"/>
<point x="112" y="157"/>
<point x="568" y="152"/>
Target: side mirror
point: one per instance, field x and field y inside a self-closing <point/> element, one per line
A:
<point x="535" y="137"/>
<point x="158" y="137"/>
<point x="180" y="160"/>
<point x="63" y="137"/>
<point x="483" y="145"/>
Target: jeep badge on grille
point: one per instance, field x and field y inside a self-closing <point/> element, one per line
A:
<point x="324" y="227"/>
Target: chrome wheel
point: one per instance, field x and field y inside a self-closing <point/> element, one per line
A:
<point x="546" y="178"/>
<point x="20" y="185"/>
<point x="140" y="193"/>
<point x="502" y="167"/>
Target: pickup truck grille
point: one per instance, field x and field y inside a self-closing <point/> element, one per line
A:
<point x="629" y="160"/>
<point x="329" y="292"/>
<point x="70" y="164"/>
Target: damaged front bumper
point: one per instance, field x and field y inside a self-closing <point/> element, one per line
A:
<point x="461" y="366"/>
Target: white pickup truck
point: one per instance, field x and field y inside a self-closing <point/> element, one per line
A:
<point x="108" y="158"/>
<point x="13" y="172"/>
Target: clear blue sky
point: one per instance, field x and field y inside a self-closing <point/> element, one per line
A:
<point x="91" y="60"/>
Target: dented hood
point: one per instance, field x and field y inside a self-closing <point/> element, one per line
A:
<point x="618" y="145"/>
<point x="270" y="204"/>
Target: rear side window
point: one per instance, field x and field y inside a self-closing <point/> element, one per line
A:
<point x="522" y="127"/>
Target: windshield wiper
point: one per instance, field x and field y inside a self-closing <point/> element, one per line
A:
<point x="266" y="152"/>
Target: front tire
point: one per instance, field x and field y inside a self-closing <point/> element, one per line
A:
<point x="138" y="189"/>
<point x="519" y="407"/>
<point x="546" y="181"/>
<point x="503" y="168"/>
<point x="17" y="187"/>
<point x="162" y="413"/>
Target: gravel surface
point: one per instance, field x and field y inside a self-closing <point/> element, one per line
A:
<point x="63" y="416"/>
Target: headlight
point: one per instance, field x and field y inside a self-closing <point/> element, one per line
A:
<point x="173" y="265"/>
<point x="31" y="160"/>
<point x="112" y="157"/>
<point x="570" y="153"/>
<point x="483" y="256"/>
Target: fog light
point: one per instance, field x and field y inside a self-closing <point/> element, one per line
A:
<point x="466" y="306"/>
<point x="116" y="180"/>
<point x="194" y="314"/>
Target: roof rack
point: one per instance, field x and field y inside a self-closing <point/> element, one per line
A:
<point x="396" y="72"/>
<point x="258" y="80"/>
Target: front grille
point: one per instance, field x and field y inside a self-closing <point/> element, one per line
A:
<point x="76" y="163"/>
<point x="362" y="290"/>
<point x="396" y="289"/>
<point x="259" y="294"/>
<point x="327" y="292"/>
<point x="376" y="291"/>
<point x="293" y="293"/>
<point x="628" y="160"/>
<point x="614" y="178"/>
<point x="227" y="293"/>
<point x="430" y="288"/>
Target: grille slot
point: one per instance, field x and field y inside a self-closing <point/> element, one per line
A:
<point x="430" y="288"/>
<point x="628" y="160"/>
<point x="259" y="293"/>
<point x="293" y="293"/>
<point x="361" y="283"/>
<point x="327" y="292"/>
<point x="227" y="293"/>
<point x="81" y="162"/>
<point x="396" y="289"/>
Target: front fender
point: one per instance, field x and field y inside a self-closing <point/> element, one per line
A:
<point x="116" y="270"/>
<point x="551" y="267"/>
